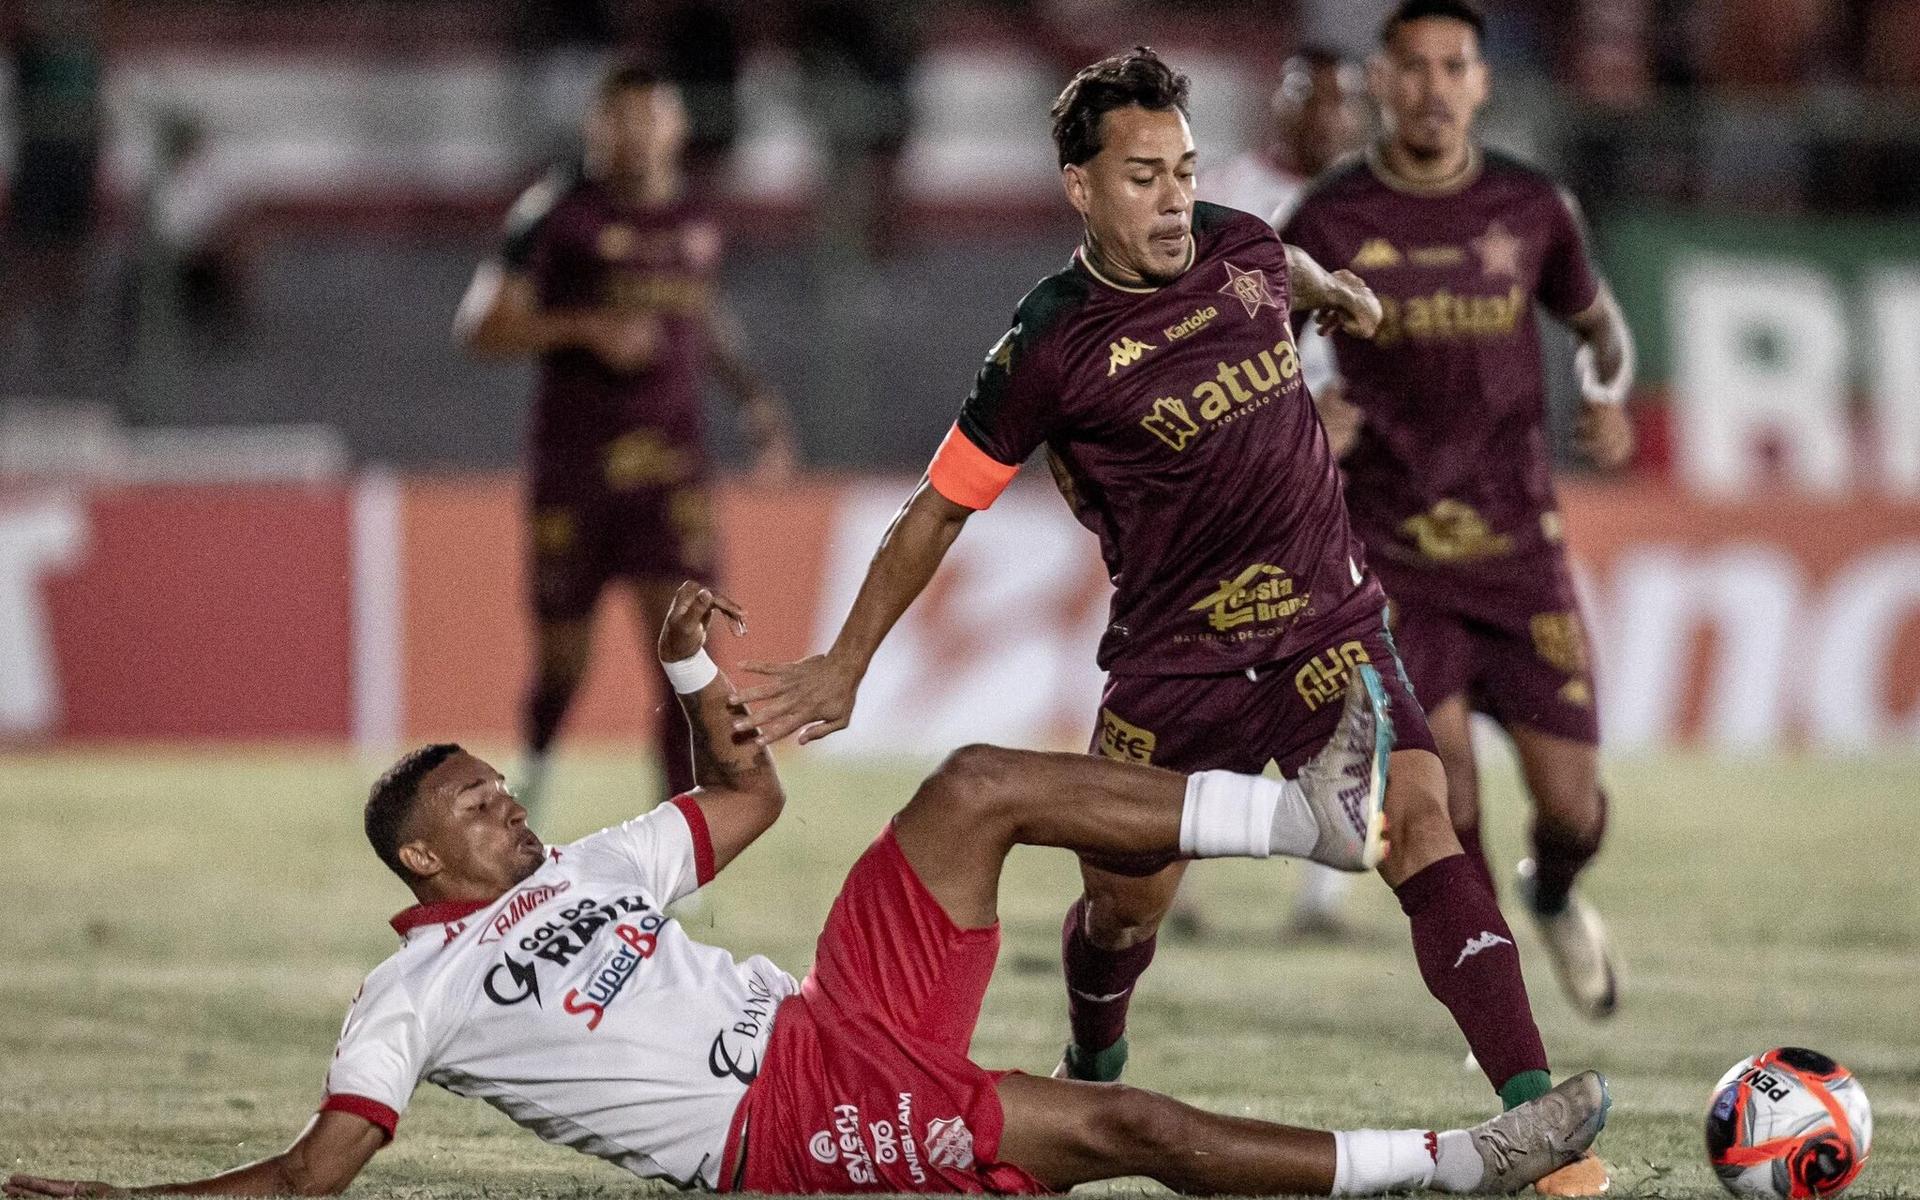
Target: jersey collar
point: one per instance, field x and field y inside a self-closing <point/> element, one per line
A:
<point x="1080" y="256"/>
<point x="440" y="912"/>
<point x="1459" y="182"/>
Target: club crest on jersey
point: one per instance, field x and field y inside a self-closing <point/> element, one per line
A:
<point x="1125" y="353"/>
<point x="1249" y="288"/>
<point x="950" y="1143"/>
<point x="1499" y="251"/>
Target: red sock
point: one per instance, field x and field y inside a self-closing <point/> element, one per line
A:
<point x="1470" y="842"/>
<point x="1470" y="964"/>
<point x="1099" y="982"/>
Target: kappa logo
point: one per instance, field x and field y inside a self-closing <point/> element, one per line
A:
<point x="1171" y="423"/>
<point x="1125" y="353"/>
<point x="1375" y="254"/>
<point x="1486" y="939"/>
<point x="949" y="1143"/>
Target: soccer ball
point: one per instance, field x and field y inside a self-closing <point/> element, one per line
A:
<point x="1788" y="1123"/>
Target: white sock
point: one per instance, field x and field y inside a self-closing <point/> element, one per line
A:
<point x="1228" y="815"/>
<point x="1457" y="1166"/>
<point x="1370" y="1161"/>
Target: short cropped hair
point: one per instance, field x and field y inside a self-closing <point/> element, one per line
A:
<point x="628" y="75"/>
<point x="390" y="802"/>
<point x="1464" y="11"/>
<point x="1136" y="77"/>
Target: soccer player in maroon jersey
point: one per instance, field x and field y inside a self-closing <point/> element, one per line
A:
<point x="1448" y="477"/>
<point x="608" y="278"/>
<point x="674" y="1061"/>
<point x="1160" y="372"/>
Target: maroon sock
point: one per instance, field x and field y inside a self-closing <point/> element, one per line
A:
<point x="1476" y="854"/>
<point x="1470" y="964"/>
<point x="545" y="707"/>
<point x="1559" y="855"/>
<point x="675" y="744"/>
<point x="1099" y="982"/>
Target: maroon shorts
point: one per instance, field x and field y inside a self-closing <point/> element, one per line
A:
<point x="1515" y="646"/>
<point x="1284" y="713"/>
<point x="866" y="1085"/>
<point x="581" y="543"/>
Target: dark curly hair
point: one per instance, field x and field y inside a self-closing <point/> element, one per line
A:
<point x="1136" y="77"/>
<point x="390" y="801"/>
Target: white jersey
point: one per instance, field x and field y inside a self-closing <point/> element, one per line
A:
<point x="575" y="1005"/>
<point x="1251" y="183"/>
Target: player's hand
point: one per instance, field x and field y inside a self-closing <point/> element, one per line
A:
<point x="624" y="341"/>
<point x="32" y="1185"/>
<point x="1605" y="434"/>
<point x="1352" y="308"/>
<point x="684" y="633"/>
<point x="813" y="697"/>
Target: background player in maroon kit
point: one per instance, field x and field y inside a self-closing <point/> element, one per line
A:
<point x="1448" y="476"/>
<point x="1159" y="371"/>
<point x="607" y="277"/>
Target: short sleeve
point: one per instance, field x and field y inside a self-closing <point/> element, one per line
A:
<point x="1569" y="284"/>
<point x="380" y="1056"/>
<point x="668" y="851"/>
<point x="521" y="235"/>
<point x="1005" y="418"/>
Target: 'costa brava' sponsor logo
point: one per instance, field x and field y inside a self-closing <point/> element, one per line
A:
<point x="1126" y="352"/>
<point x="1233" y="391"/>
<point x="1192" y="324"/>
<point x="1263" y="594"/>
<point x="727" y="1059"/>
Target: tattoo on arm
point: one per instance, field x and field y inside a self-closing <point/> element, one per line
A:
<point x="722" y="758"/>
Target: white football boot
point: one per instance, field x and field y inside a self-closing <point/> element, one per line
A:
<point x="1528" y="1143"/>
<point x="1346" y="783"/>
<point x="1577" y="943"/>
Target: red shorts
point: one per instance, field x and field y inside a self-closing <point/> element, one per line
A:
<point x="1516" y="646"/>
<point x="866" y="1085"/>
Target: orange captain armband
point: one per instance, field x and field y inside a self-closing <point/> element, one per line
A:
<point x="966" y="474"/>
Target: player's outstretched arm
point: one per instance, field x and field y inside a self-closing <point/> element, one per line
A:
<point x="815" y="696"/>
<point x="738" y="790"/>
<point x="1338" y="299"/>
<point x="322" y="1161"/>
<point x="501" y="317"/>
<point x="1605" y="365"/>
<point x="764" y="413"/>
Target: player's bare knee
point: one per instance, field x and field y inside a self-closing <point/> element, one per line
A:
<point x="1138" y="1126"/>
<point x="973" y="787"/>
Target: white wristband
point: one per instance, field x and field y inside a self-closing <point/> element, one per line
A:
<point x="689" y="675"/>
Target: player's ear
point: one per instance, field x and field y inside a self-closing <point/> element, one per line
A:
<point x="1073" y="178"/>
<point x="419" y="859"/>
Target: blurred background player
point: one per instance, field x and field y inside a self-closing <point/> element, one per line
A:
<point x="1316" y="115"/>
<point x="1448" y="475"/>
<point x="607" y="277"/>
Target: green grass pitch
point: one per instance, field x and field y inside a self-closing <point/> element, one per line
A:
<point x="182" y="933"/>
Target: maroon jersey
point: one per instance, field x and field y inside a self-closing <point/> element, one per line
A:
<point x="1451" y="465"/>
<point x="594" y="428"/>
<point x="1181" y="433"/>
